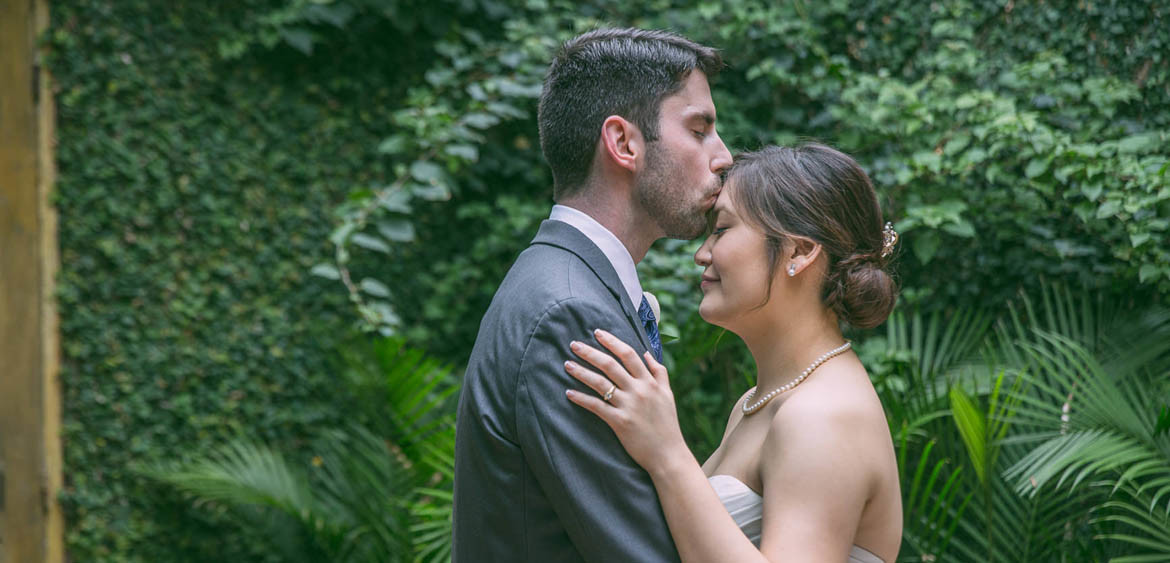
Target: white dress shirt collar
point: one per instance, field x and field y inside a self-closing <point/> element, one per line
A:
<point x="609" y="244"/>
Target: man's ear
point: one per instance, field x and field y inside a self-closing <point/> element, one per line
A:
<point x="801" y="252"/>
<point x="621" y="142"/>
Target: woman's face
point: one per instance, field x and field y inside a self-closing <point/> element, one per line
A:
<point x="735" y="261"/>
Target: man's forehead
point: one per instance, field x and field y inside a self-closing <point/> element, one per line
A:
<point x="694" y="99"/>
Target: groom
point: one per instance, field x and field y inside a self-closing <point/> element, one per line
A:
<point x="628" y="127"/>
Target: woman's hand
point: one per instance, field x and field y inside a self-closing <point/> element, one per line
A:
<point x="640" y="407"/>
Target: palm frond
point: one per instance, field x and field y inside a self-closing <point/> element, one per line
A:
<point x="932" y="505"/>
<point x="401" y="392"/>
<point x="241" y="472"/>
<point x="1154" y="528"/>
<point x="367" y="488"/>
<point x="433" y="511"/>
<point x="268" y="493"/>
<point x="938" y="342"/>
<point x="361" y="498"/>
<point x="1105" y="424"/>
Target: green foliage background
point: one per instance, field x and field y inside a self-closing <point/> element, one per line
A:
<point x="196" y="179"/>
<point x="211" y="156"/>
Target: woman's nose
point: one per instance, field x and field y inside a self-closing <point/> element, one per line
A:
<point x="703" y="254"/>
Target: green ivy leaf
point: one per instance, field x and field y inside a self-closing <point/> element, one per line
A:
<point x="301" y="39"/>
<point x="397" y="201"/>
<point x="957" y="144"/>
<point x="1143" y="143"/>
<point x="514" y="89"/>
<point x="426" y="171"/>
<point x="1087" y="150"/>
<point x="1063" y="173"/>
<point x="480" y="120"/>
<point x="506" y="110"/>
<point x="1108" y="209"/>
<point x="393" y="145"/>
<point x="385" y="313"/>
<point x="1036" y="167"/>
<point x="437" y="192"/>
<point x="925" y="246"/>
<point x="1147" y="272"/>
<point x="328" y="271"/>
<point x="371" y="242"/>
<point x="929" y="160"/>
<point x="960" y="228"/>
<point x="341" y="233"/>
<point x="374" y="287"/>
<point x="398" y="230"/>
<point x="469" y="152"/>
<point x="966" y="101"/>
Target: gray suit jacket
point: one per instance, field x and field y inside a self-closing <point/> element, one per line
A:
<point x="538" y="478"/>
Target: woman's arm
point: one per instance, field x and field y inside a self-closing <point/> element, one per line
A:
<point x="813" y="466"/>
<point x="642" y="413"/>
<point x="816" y="471"/>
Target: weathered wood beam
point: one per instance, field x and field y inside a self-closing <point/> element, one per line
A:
<point x="31" y="523"/>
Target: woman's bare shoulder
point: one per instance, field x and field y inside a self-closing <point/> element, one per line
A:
<point x="841" y="406"/>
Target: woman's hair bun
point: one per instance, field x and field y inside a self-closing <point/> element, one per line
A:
<point x="860" y="291"/>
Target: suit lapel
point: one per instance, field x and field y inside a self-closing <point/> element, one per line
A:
<point x="564" y="235"/>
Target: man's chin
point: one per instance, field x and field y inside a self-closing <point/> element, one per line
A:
<point x="702" y="221"/>
<point x="691" y="232"/>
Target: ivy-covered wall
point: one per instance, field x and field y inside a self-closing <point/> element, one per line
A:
<point x="199" y="161"/>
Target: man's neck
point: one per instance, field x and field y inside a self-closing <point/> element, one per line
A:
<point x="623" y="220"/>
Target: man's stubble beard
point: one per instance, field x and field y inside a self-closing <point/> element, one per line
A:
<point x="666" y="201"/>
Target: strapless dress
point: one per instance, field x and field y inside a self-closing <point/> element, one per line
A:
<point x="747" y="509"/>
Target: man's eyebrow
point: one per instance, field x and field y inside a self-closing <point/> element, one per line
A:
<point x="706" y="116"/>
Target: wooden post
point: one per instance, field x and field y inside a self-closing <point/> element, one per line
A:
<point x="31" y="524"/>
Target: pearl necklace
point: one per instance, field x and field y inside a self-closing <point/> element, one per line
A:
<point x="787" y="386"/>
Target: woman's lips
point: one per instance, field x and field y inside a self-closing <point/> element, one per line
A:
<point x="708" y="282"/>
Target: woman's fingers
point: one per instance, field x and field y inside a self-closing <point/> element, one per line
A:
<point x="656" y="369"/>
<point x="593" y="380"/>
<point x="594" y="405"/>
<point x="623" y="352"/>
<point x="603" y="362"/>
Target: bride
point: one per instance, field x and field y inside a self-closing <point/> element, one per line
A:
<point x="806" y="469"/>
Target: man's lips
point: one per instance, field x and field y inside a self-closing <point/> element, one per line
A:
<point x="708" y="280"/>
<point x="709" y="201"/>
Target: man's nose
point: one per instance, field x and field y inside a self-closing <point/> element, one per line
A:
<point x="722" y="159"/>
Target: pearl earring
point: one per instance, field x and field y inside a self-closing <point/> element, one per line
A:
<point x="791" y="270"/>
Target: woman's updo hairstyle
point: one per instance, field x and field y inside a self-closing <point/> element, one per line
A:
<point x="820" y="193"/>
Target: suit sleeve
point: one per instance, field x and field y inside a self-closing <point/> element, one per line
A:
<point x="606" y="502"/>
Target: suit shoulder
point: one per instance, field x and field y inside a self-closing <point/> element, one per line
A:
<point x="546" y="274"/>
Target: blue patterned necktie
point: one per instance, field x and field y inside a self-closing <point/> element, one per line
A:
<point x="650" y="325"/>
